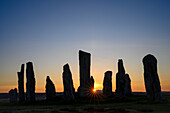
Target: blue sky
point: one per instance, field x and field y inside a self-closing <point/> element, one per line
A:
<point x="50" y="33"/>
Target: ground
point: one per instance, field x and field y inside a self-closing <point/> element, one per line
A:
<point x="131" y="104"/>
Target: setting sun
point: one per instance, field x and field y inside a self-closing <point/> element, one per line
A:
<point x="94" y="90"/>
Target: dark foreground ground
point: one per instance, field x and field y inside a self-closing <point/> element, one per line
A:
<point x="94" y="104"/>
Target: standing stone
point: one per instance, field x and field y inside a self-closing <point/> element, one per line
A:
<point x="127" y="89"/>
<point x="13" y="95"/>
<point x="69" y="90"/>
<point x="123" y="82"/>
<point x="107" y="84"/>
<point x="50" y="88"/>
<point x="152" y="83"/>
<point x="92" y="83"/>
<point x="120" y="81"/>
<point x="21" y="84"/>
<point x="30" y="85"/>
<point x="84" y="65"/>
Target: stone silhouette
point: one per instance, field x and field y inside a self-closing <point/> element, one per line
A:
<point x="30" y="85"/>
<point x="107" y="84"/>
<point x="69" y="90"/>
<point x="123" y="82"/>
<point x="127" y="88"/>
<point x="84" y="65"/>
<point x="21" y="84"/>
<point x="152" y="83"/>
<point x="13" y="95"/>
<point x="92" y="83"/>
<point x="50" y="88"/>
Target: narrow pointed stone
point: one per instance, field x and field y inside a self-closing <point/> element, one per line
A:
<point x="50" y="88"/>
<point x="69" y="90"/>
<point x="21" y="84"/>
<point x="30" y="85"/>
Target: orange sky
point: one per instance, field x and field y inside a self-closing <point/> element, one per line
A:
<point x="137" y="80"/>
<point x="50" y="34"/>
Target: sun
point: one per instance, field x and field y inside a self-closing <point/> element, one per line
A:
<point x="94" y="90"/>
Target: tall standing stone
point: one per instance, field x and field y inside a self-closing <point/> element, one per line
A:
<point x="152" y="83"/>
<point x="120" y="81"/>
<point x="123" y="82"/>
<point x="84" y="65"/>
<point x="107" y="84"/>
<point x="30" y="85"/>
<point x="13" y="95"/>
<point x="21" y="84"/>
<point x="50" y="88"/>
<point x="69" y="90"/>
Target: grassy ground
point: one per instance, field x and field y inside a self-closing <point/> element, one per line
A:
<point x="132" y="104"/>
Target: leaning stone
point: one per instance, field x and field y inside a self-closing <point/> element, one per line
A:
<point x="152" y="83"/>
<point x="69" y="90"/>
<point x="13" y="95"/>
<point x="50" y="88"/>
<point x="30" y="85"/>
<point x="107" y="84"/>
<point x="21" y="84"/>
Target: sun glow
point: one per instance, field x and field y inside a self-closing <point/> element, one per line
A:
<point x="94" y="90"/>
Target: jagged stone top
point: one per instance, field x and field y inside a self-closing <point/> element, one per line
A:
<point x="30" y="65"/>
<point x="15" y="89"/>
<point x="149" y="59"/>
<point x="22" y="69"/>
<point x="83" y="52"/>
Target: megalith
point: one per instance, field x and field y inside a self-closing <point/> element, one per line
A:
<point x="50" y="88"/>
<point x="13" y="95"/>
<point x="30" y="85"/>
<point x="123" y="82"/>
<point x="21" y="84"/>
<point x="127" y="89"/>
<point x="151" y="78"/>
<point x="84" y="66"/>
<point x="69" y="90"/>
<point x="107" y="84"/>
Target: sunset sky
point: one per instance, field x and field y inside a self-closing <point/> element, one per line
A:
<point x="50" y="33"/>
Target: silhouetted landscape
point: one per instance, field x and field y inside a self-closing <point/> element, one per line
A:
<point x="84" y="56"/>
<point x="87" y="99"/>
<point x="133" y="104"/>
